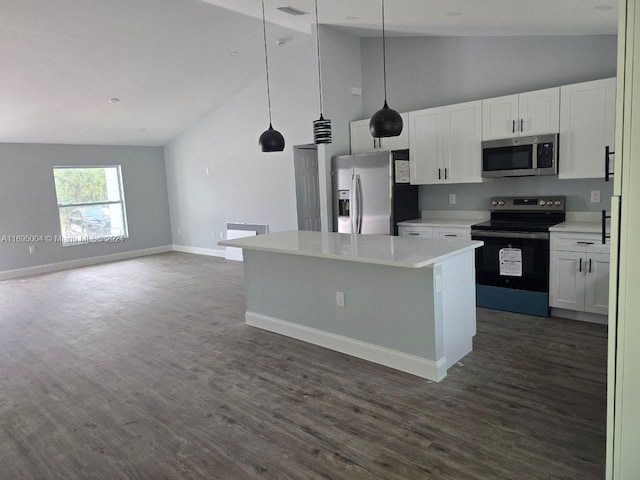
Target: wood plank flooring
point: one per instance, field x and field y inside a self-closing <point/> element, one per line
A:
<point x="144" y="369"/>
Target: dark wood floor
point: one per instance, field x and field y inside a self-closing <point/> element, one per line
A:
<point x="144" y="369"/>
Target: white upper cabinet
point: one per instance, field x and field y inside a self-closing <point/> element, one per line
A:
<point x="463" y="142"/>
<point x="445" y="144"/>
<point x="524" y="114"/>
<point x="426" y="134"/>
<point x="362" y="141"/>
<point x="587" y="127"/>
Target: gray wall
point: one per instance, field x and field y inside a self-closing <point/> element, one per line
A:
<point x="432" y="71"/>
<point x="28" y="200"/>
<point x="243" y="184"/>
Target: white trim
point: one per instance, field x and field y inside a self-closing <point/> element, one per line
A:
<point x="82" y="262"/>
<point x="210" y="252"/>
<point x="580" y="316"/>
<point x="405" y="362"/>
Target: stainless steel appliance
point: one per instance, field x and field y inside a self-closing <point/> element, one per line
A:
<point x="520" y="156"/>
<point x="371" y="192"/>
<point x="512" y="268"/>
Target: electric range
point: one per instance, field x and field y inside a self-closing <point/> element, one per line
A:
<point x="512" y="268"/>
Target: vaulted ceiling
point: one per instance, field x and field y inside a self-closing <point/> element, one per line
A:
<point x="169" y="62"/>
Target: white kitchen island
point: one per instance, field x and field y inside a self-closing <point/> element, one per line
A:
<point x="409" y="303"/>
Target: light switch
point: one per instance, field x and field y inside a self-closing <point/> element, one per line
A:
<point x="340" y="299"/>
<point x="595" y="196"/>
<point x="452" y="199"/>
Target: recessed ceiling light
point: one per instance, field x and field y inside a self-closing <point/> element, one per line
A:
<point x="603" y="7"/>
<point x="292" y="11"/>
<point x="454" y="14"/>
<point x="351" y="17"/>
<point x="234" y="54"/>
<point x="114" y="100"/>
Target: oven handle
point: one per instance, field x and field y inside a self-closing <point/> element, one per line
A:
<point x="500" y="234"/>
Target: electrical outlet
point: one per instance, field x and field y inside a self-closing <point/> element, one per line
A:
<point x="32" y="249"/>
<point x="452" y="199"/>
<point x="179" y="231"/>
<point x="213" y="234"/>
<point x="340" y="299"/>
<point x="206" y="170"/>
<point x="595" y="196"/>
<point x="222" y="235"/>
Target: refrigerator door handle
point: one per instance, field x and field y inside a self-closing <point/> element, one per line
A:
<point x="353" y="213"/>
<point x="359" y="206"/>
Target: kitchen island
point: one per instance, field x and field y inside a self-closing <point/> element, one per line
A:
<point x="407" y="303"/>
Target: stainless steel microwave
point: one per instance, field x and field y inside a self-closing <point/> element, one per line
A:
<point x="521" y="156"/>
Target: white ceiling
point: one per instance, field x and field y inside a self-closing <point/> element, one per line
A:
<point x="169" y="61"/>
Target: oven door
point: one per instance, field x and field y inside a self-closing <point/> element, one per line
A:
<point x="513" y="260"/>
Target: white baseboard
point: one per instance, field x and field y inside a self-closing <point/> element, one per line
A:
<point x="580" y="316"/>
<point x="82" y="262"/>
<point x="210" y="252"/>
<point x="404" y="362"/>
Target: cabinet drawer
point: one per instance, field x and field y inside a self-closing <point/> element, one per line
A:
<point x="452" y="232"/>
<point x="578" y="242"/>
<point x="405" y="231"/>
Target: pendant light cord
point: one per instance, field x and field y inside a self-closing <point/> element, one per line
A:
<point x="319" y="66"/>
<point x="266" y="59"/>
<point x="384" y="57"/>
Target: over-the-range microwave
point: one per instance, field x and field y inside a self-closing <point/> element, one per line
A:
<point x="521" y="156"/>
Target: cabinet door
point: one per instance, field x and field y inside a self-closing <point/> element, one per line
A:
<point x="425" y="141"/>
<point x="587" y="124"/>
<point x="361" y="139"/>
<point x="452" y="232"/>
<point x="462" y="142"/>
<point x="597" y="287"/>
<point x="406" y="231"/>
<point x="401" y="141"/>
<point x="499" y="117"/>
<point x="539" y="112"/>
<point x="567" y="280"/>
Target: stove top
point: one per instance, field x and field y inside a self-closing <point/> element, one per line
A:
<point x="524" y="214"/>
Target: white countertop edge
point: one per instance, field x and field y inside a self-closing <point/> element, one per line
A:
<point x="465" y="247"/>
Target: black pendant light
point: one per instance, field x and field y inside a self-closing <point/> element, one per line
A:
<point x="322" y="126"/>
<point x="271" y="140"/>
<point x="386" y="122"/>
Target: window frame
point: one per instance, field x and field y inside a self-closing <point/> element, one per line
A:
<point x="67" y="242"/>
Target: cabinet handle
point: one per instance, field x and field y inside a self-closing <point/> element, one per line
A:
<point x="604" y="226"/>
<point x="584" y="243"/>
<point x="589" y="265"/>
<point x="607" y="167"/>
<point x="439" y="175"/>
<point x="412" y="234"/>
<point x="580" y="267"/>
<point x="521" y="125"/>
<point x="450" y="235"/>
<point x="513" y="126"/>
<point x="445" y="173"/>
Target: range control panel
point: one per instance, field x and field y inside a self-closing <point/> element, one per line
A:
<point x="528" y="204"/>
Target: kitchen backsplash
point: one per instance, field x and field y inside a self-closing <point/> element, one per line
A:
<point x="475" y="196"/>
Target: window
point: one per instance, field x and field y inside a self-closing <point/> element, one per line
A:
<point x="91" y="204"/>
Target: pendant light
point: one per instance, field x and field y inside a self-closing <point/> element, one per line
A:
<point x="386" y="122"/>
<point x="321" y="127"/>
<point x="271" y="140"/>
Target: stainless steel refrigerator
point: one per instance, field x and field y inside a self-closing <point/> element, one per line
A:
<point x="371" y="192"/>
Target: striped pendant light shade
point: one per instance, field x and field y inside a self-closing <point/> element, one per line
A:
<point x="321" y="130"/>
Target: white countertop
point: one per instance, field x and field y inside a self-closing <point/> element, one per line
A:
<point x="581" y="222"/>
<point x="410" y="252"/>
<point x="579" y="227"/>
<point x="448" y="218"/>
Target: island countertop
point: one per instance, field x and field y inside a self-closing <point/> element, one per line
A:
<point x="409" y="252"/>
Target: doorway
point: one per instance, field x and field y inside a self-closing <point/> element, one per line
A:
<point x="305" y="162"/>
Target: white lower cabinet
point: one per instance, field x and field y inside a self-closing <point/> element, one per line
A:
<point x="579" y="274"/>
